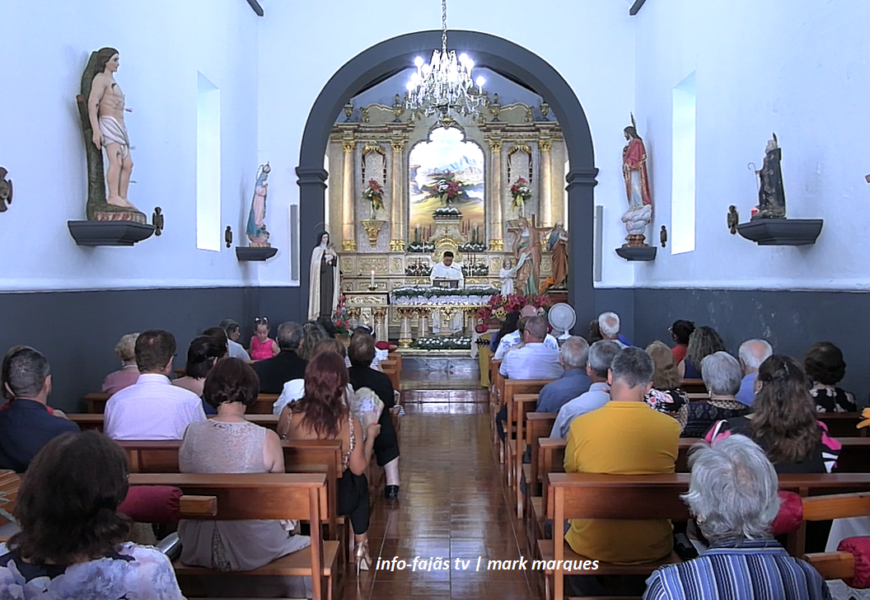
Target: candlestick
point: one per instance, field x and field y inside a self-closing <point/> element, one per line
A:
<point x="373" y="279"/>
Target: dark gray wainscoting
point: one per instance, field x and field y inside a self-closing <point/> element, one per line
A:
<point x="791" y="321"/>
<point x="77" y="331"/>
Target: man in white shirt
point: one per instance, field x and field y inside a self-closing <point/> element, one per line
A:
<point x="152" y="408"/>
<point x="533" y="360"/>
<point x="601" y="355"/>
<point x="447" y="270"/>
<point x="513" y="339"/>
<point x="233" y="332"/>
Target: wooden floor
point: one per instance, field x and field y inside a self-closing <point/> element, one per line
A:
<point x="451" y="506"/>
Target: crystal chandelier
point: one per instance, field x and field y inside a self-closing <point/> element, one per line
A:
<point x="445" y="83"/>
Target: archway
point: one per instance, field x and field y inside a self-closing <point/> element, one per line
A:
<point x="500" y="55"/>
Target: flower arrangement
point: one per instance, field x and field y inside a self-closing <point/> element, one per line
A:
<point x="414" y="291"/>
<point x="443" y="343"/>
<point x="446" y="188"/>
<point x="375" y="194"/>
<point x="521" y="192"/>
<point x="446" y="211"/>
<point x="499" y="306"/>
<point x="340" y="318"/>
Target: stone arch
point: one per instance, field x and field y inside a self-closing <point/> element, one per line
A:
<point x="501" y="55"/>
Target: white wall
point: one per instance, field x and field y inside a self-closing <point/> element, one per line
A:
<point x="795" y="67"/>
<point x="162" y="44"/>
<point x="591" y="43"/>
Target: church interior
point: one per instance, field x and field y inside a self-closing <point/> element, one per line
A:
<point x="478" y="207"/>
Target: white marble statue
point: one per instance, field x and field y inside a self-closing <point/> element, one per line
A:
<point x="508" y="273"/>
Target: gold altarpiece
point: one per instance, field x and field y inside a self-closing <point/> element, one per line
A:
<point x="517" y="140"/>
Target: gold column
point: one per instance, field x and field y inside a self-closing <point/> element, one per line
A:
<point x="546" y="183"/>
<point x="348" y="229"/>
<point x="405" y="327"/>
<point x="397" y="243"/>
<point x="496" y="242"/>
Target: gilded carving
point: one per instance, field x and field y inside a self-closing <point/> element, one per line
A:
<point x="358" y="301"/>
<point x="378" y="265"/>
<point x="397" y="245"/>
<point x="348" y="146"/>
<point x="545" y="145"/>
<point x="495" y="145"/>
<point x="397" y="145"/>
<point x="496" y="245"/>
<point x="373" y="147"/>
<point x="348" y="245"/>
<point x="495" y="264"/>
<point x="373" y="230"/>
<point x="364" y="114"/>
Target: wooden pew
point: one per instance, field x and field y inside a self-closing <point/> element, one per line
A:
<point x="842" y="425"/>
<point x="835" y="565"/>
<point x="271" y="496"/>
<point x="495" y="391"/>
<point x="87" y="421"/>
<point x="854" y="458"/>
<point x="300" y="456"/>
<point x="524" y="404"/>
<point x="96" y="404"/>
<point x="390" y="368"/>
<point x="513" y="387"/>
<point x="591" y="496"/>
<point x="9" y="483"/>
<point x="693" y="386"/>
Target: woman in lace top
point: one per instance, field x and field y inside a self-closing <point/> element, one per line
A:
<point x="229" y="443"/>
<point x="666" y="396"/>
<point x="825" y="367"/>
<point x="71" y="543"/>
<point x="323" y="414"/>
<point x="722" y="376"/>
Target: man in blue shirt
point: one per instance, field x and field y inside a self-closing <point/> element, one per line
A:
<point x="26" y="425"/>
<point x="733" y="496"/>
<point x="574" y="381"/>
<point x="752" y="353"/>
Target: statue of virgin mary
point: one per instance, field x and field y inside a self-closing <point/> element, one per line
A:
<point x="325" y="287"/>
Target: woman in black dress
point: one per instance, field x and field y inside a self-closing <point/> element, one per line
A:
<point x="361" y="353"/>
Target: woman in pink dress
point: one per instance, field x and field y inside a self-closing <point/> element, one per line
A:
<point x="262" y="346"/>
<point x="128" y="374"/>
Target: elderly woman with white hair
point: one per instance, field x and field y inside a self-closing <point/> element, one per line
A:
<point x="733" y="496"/>
<point x="722" y="375"/>
<point x="128" y="374"/>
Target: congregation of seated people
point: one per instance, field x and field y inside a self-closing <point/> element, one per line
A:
<point x="621" y="410"/>
<point x="147" y="403"/>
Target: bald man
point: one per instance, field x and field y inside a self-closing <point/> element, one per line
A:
<point x="752" y="353"/>
<point x="513" y="339"/>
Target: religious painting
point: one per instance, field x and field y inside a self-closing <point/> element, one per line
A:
<point x="446" y="177"/>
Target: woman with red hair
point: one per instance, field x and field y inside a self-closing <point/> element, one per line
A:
<point x="323" y="414"/>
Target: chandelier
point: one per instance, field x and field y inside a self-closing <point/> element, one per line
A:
<point x="444" y="83"/>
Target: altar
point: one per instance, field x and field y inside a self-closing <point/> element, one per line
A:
<point x="405" y="188"/>
<point x="421" y="302"/>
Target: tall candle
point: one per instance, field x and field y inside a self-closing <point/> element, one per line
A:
<point x="373" y="278"/>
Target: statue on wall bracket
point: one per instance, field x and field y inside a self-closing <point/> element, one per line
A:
<point x="634" y="171"/>
<point x="5" y="190"/>
<point x="771" y="191"/>
<point x="769" y="225"/>
<point x="112" y="220"/>
<point x="637" y="191"/>
<point x="101" y="108"/>
<point x="256" y="228"/>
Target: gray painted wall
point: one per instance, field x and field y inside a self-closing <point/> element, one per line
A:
<point x="790" y="321"/>
<point x="78" y="331"/>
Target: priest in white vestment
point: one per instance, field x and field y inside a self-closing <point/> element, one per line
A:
<point x="447" y="270"/>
